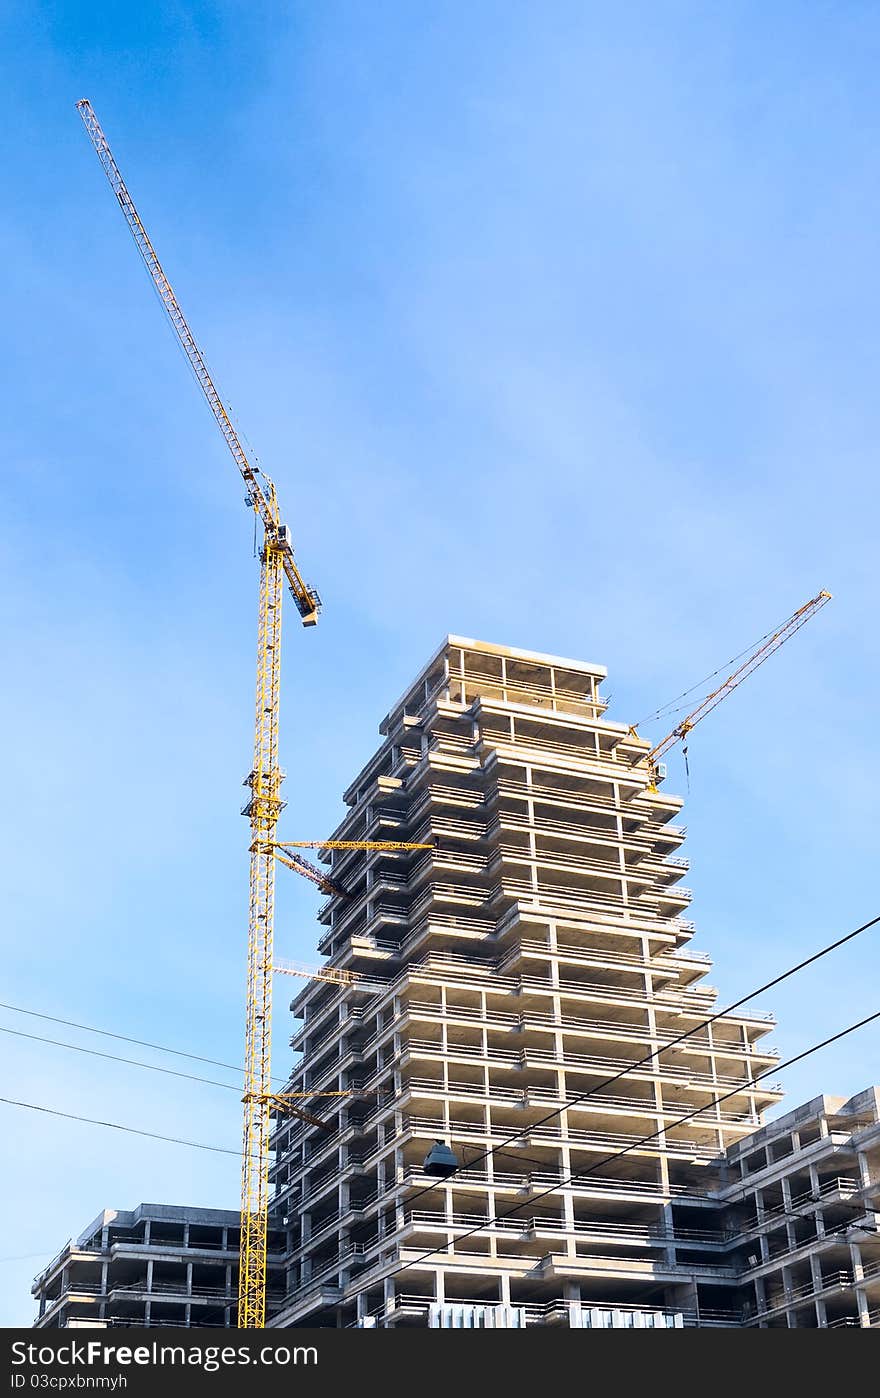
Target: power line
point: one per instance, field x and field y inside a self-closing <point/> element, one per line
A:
<point x="493" y="1150"/>
<point x="117" y="1126"/>
<point x="116" y="1058"/>
<point x="123" y="1038"/>
<point x="634" y="1145"/>
<point x="656" y="1054"/>
<point x="570" y="1179"/>
<point x="181" y="1053"/>
<point x="498" y="1149"/>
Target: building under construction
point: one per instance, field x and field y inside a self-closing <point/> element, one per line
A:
<point x="538" y="950"/>
<point x="507" y="1156"/>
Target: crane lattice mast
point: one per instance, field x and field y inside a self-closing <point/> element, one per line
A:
<point x="265" y="804"/>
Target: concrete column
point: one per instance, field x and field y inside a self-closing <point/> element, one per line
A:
<point x="554" y="973"/>
<point x="786" y="1204"/>
<point x="816" y="1274"/>
<point x="567" y="1194"/>
<point x="787" y="1289"/>
<point x="858" y="1272"/>
<point x="760" y="1298"/>
<point x="713" y="1069"/>
<point x="814" y="1181"/>
<point x="762" y="1237"/>
<point x="668" y="1229"/>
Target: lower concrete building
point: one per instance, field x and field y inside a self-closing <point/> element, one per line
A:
<point x="801" y="1204"/>
<point x="156" y="1265"/>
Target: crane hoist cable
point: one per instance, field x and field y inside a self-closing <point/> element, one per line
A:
<point x="277" y="564"/>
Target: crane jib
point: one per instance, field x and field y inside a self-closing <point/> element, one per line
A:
<point x="306" y="598"/>
<point x="766" y="647"/>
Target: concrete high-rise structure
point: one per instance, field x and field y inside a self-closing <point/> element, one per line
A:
<point x="503" y="976"/>
<point x="538" y="950"/>
<point x="155" y="1265"/>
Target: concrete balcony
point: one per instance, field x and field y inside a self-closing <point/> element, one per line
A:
<point x="582" y="757"/>
<point x="840" y="1190"/>
<point x="601" y="803"/>
<point x="548" y="864"/>
<point x="871" y="1321"/>
<point x="564" y="836"/>
<point x="516" y="1061"/>
<point x="578" y="1315"/>
<point x="427" y="1129"/>
<point x="589" y="953"/>
<point x="585" y="704"/>
<point x="531" y="1180"/>
<point x="831" y="1284"/>
<point x="535" y="1231"/>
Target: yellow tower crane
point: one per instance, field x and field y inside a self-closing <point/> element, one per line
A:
<point x="264" y="807"/>
<point x="277" y="564"/>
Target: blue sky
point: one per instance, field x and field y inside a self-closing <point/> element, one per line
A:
<point x="556" y="326"/>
